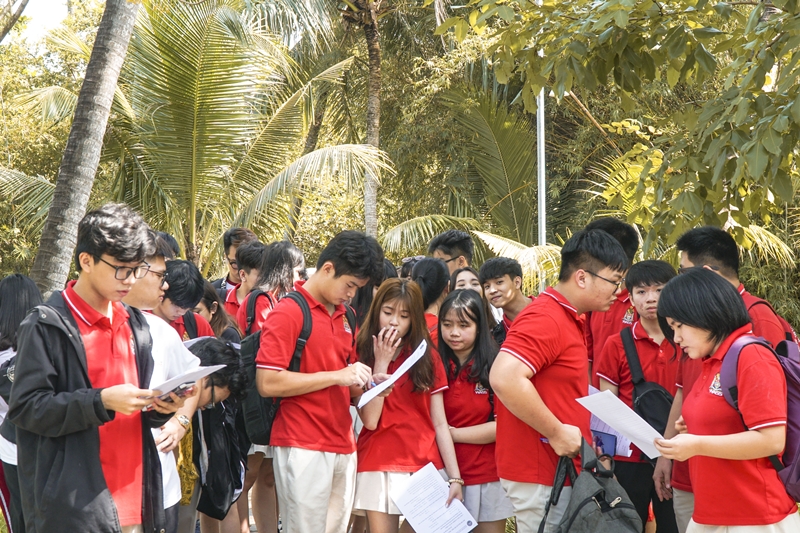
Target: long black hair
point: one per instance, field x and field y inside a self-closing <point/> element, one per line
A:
<point x="363" y="299"/>
<point x="18" y="295"/>
<point x="276" y="273"/>
<point x="432" y="277"/>
<point x="468" y="306"/>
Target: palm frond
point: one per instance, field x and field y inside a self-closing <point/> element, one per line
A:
<point x="30" y="195"/>
<point x="52" y="104"/>
<point x="765" y="247"/>
<point x="540" y="264"/>
<point x="413" y="235"/>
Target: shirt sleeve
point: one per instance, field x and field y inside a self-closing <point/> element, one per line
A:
<point x="762" y="388"/>
<point x="179" y="359"/>
<point x="608" y="367"/>
<point x="279" y="337"/>
<point x="767" y="324"/>
<point x="679" y="373"/>
<point x="439" y="375"/>
<point x="263" y="308"/>
<point x="535" y="340"/>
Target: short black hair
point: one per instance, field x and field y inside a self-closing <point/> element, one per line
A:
<point x="115" y="230"/>
<point x="454" y="243"/>
<point x="276" y="271"/>
<point x="625" y="234"/>
<point x="497" y="267"/>
<point x="171" y="243"/>
<point x="354" y="253"/>
<point x="249" y="255"/>
<point x="364" y="295"/>
<point x="212" y="351"/>
<point x="711" y="246"/>
<point x="704" y="300"/>
<point x="648" y="273"/>
<point x="163" y="249"/>
<point x="236" y="236"/>
<point x="185" y="283"/>
<point x="433" y="278"/>
<point x="18" y="295"/>
<point x="591" y="250"/>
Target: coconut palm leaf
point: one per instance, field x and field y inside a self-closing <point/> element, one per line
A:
<point x="540" y="264"/>
<point x="765" y="247"/>
<point x="31" y="196"/>
<point x="413" y="235"/>
<point x="53" y="104"/>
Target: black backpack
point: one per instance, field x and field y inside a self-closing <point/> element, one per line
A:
<point x="259" y="412"/>
<point x="190" y="324"/>
<point x="598" y="503"/>
<point x="251" y="309"/>
<point x="651" y="401"/>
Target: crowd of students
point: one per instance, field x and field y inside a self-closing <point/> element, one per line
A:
<point x="88" y="445"/>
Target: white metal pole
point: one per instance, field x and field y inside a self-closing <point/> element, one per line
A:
<point x="540" y="164"/>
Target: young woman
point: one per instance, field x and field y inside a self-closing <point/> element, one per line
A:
<point x="468" y="351"/>
<point x="467" y="278"/>
<point x="364" y="295"/>
<point x="406" y="429"/>
<point x="212" y="308"/>
<point x="433" y="279"/>
<point x="736" y="488"/>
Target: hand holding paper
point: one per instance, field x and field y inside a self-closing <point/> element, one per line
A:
<point x="405" y="367"/>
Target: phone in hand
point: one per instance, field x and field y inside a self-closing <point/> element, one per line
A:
<point x="181" y="390"/>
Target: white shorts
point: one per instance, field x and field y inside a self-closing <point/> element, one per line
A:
<point x="487" y="502"/>
<point x="373" y="490"/>
<point x="259" y="448"/>
<point x="683" y="505"/>
<point x="529" y="501"/>
<point x="790" y="524"/>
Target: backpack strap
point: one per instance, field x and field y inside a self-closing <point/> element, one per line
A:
<point x="637" y="376"/>
<point x="305" y="331"/>
<point x="350" y="315"/>
<point x="251" y="308"/>
<point x="190" y="324"/>
<point x="565" y="468"/>
<point x="491" y="404"/>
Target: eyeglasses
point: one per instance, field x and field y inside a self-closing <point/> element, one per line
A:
<point x="451" y="259"/>
<point x="414" y="258"/>
<point x="233" y="263"/>
<point x="683" y="270"/>
<point x="162" y="275"/>
<point x="616" y="284"/>
<point x="123" y="272"/>
<point x="212" y="403"/>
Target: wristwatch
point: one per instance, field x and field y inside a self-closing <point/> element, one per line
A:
<point x="184" y="421"/>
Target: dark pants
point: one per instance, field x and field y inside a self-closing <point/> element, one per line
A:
<point x="172" y="518"/>
<point x="15" y="505"/>
<point x="637" y="480"/>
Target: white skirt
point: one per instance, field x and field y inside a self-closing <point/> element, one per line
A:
<point x="373" y="490"/>
<point x="487" y="502"/>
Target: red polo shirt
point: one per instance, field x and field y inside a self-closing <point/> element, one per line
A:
<point x="688" y="372"/>
<point x="547" y="336"/>
<point x="659" y="365"/>
<point x="263" y="307"/>
<point x="318" y="420"/>
<point x="203" y="327"/>
<point x="232" y="302"/>
<point x="765" y="322"/>
<point x="110" y="360"/>
<point x="602" y="325"/>
<point x="405" y="439"/>
<point x="466" y="404"/>
<point x="737" y="492"/>
<point x="432" y="321"/>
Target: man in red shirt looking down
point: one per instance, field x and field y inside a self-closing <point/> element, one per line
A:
<point x="542" y="368"/>
<point x="184" y="292"/>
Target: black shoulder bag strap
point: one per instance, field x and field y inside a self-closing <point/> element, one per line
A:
<point x="305" y="332"/>
<point x="564" y="468"/>
<point x="251" y="308"/>
<point x="190" y="324"/>
<point x="350" y="315"/>
<point x="637" y="376"/>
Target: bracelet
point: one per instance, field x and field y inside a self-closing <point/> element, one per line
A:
<point x="456" y="480"/>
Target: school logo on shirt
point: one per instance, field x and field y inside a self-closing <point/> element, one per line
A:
<point x="715" y="388"/>
<point x="346" y="325"/>
<point x="480" y="389"/>
<point x="185" y="336"/>
<point x="628" y="318"/>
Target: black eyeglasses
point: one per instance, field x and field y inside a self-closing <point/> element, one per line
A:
<point x="123" y="272"/>
<point x="451" y="259"/>
<point x="233" y="262"/>
<point x="212" y="403"/>
<point x="683" y="270"/>
<point x="616" y="284"/>
<point x="162" y="275"/>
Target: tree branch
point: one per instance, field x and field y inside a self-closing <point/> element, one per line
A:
<point x="14" y="18"/>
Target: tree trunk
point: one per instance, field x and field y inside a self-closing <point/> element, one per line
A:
<point x="82" y="153"/>
<point x="373" y="116"/>
<point x="10" y="18"/>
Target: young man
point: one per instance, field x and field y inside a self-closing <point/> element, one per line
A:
<point x="501" y="278"/>
<point x="315" y="461"/>
<point x="454" y="247"/>
<point x="659" y="363"/>
<point x="183" y="293"/>
<point x="542" y="368"/>
<point x="249" y="257"/>
<point x="231" y="240"/>
<point x="170" y="359"/>
<point x="601" y="325"/>
<point x="87" y="461"/>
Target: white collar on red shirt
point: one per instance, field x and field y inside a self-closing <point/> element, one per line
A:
<point x="741" y="289"/>
<point x="557" y="296"/>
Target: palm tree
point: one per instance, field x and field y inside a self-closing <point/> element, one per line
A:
<point x="82" y="153"/>
<point x="10" y="11"/>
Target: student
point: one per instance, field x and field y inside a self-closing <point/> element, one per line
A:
<point x="211" y="308"/>
<point x="434" y="280"/>
<point x="468" y="351"/>
<point x="172" y="245"/>
<point x="312" y="436"/>
<point x="249" y="257"/>
<point x="542" y="368"/>
<point x="501" y="278"/>
<point x="184" y="291"/>
<point x="281" y="266"/>
<point x="406" y="265"/>
<point x="231" y="240"/>
<point x="467" y="278"/>
<point x="659" y="363"/>
<point x="18" y="295"/>
<point x="363" y="298"/>
<point x="736" y="487"/>
<point x="170" y="359"/>
<point x="601" y="325"/>
<point x="406" y="429"/>
<point x="87" y="461"/>
<point x="454" y="247"/>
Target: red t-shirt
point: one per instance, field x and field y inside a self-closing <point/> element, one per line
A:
<point x="405" y="439"/>
<point x="467" y="404"/>
<point x="765" y="322"/>
<point x="111" y="360"/>
<point x="319" y="420"/>
<point x="432" y="321"/>
<point x="659" y="365"/>
<point x="548" y="337"/>
<point x="203" y="327"/>
<point x="232" y="302"/>
<point x="602" y="325"/>
<point x="737" y="492"/>
<point x="688" y="372"/>
<point x="263" y="307"/>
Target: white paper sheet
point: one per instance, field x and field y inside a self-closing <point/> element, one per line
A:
<point x="611" y="410"/>
<point x="405" y="367"/>
<point x="188" y="377"/>
<point x="623" y="444"/>
<point x="421" y="500"/>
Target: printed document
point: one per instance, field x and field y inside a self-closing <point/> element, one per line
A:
<point x="421" y="500"/>
<point x="623" y="445"/>
<point x="405" y="367"/>
<point x="189" y="377"/>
